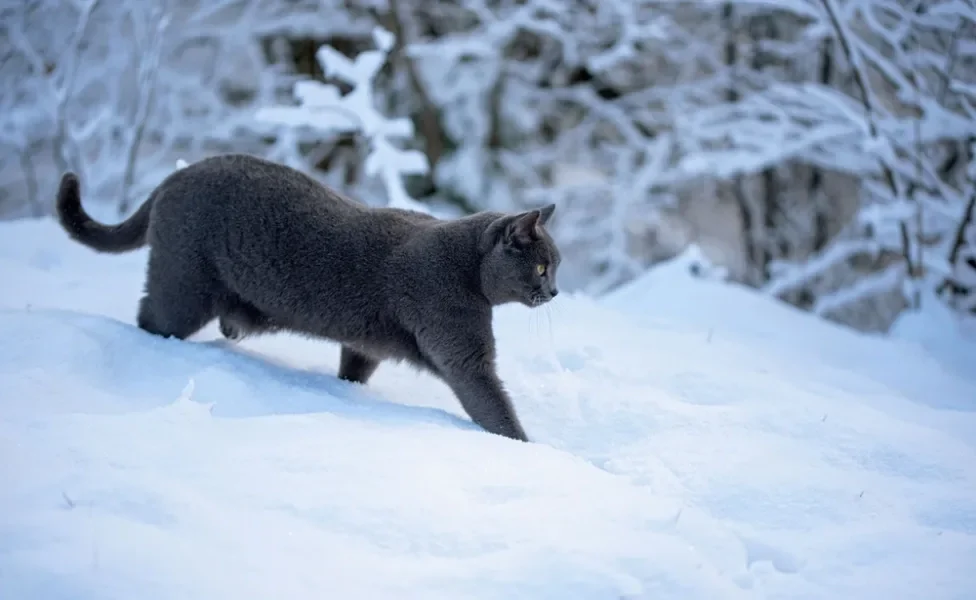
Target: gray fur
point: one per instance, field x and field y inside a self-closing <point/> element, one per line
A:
<point x="263" y="247"/>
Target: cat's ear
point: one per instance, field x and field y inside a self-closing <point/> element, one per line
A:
<point x="546" y="212"/>
<point x="518" y="230"/>
<point x="524" y="229"/>
<point x="495" y="232"/>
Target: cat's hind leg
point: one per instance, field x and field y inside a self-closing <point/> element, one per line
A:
<point x="355" y="366"/>
<point x="239" y="319"/>
<point x="178" y="301"/>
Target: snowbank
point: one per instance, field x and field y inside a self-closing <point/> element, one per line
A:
<point x="694" y="441"/>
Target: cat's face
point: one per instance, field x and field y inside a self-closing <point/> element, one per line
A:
<point x="522" y="262"/>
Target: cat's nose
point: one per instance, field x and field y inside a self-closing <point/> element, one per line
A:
<point x="554" y="292"/>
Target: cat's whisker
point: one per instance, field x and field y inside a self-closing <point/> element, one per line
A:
<point x="552" y="337"/>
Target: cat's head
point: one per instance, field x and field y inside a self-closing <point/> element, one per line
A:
<point x="520" y="259"/>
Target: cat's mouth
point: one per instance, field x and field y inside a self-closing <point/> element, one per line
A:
<point x="538" y="299"/>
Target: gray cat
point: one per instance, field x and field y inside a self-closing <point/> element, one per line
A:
<point x="263" y="247"/>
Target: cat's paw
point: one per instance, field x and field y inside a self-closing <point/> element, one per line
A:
<point x="232" y="331"/>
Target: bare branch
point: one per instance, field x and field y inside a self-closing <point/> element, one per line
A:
<point x="146" y="75"/>
<point x="860" y="76"/>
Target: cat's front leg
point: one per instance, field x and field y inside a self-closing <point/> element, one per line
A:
<point x="460" y="350"/>
<point x="483" y="397"/>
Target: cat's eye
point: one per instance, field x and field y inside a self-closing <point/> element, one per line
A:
<point x="540" y="269"/>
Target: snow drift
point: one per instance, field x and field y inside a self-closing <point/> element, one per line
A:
<point x="692" y="441"/>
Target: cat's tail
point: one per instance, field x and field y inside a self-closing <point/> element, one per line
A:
<point x="123" y="237"/>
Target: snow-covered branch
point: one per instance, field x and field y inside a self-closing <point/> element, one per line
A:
<point x="116" y="89"/>
<point x="896" y="187"/>
<point x="149" y="45"/>
<point x="323" y="109"/>
<point x="904" y="66"/>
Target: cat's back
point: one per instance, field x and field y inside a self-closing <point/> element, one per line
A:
<point x="256" y="217"/>
<point x="242" y="184"/>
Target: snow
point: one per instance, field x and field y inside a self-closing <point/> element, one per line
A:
<point x="693" y="440"/>
<point x="940" y="331"/>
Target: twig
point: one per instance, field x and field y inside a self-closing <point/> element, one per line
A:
<point x="867" y="100"/>
<point x="146" y="80"/>
<point x="429" y="120"/>
<point x="919" y="151"/>
<point x="959" y="237"/>
<point x="61" y="94"/>
<point x="30" y="180"/>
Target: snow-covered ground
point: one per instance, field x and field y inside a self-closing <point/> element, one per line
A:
<point x="692" y="441"/>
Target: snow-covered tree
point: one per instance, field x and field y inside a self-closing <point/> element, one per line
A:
<point x="908" y="136"/>
<point x="84" y="97"/>
<point x="117" y="89"/>
<point x="818" y="149"/>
